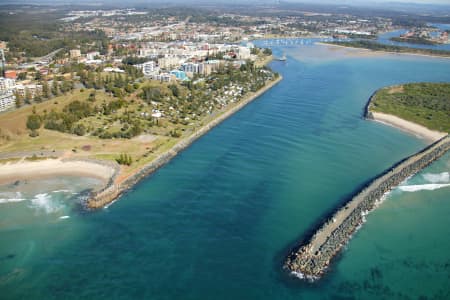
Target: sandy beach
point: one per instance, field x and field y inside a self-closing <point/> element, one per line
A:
<point x="382" y="52"/>
<point x="410" y="127"/>
<point x="23" y="170"/>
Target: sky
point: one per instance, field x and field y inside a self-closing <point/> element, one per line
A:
<point x="335" y="2"/>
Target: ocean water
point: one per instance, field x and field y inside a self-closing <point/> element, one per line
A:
<point x="219" y="219"/>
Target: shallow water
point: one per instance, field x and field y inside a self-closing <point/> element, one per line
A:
<point x="217" y="221"/>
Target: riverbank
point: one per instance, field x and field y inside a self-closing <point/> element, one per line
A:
<point x="26" y="170"/>
<point x="113" y="190"/>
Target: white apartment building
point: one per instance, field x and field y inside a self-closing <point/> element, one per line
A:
<point x="6" y="84"/>
<point x="168" y="62"/>
<point x="33" y="89"/>
<point x="92" y="55"/>
<point x="7" y="100"/>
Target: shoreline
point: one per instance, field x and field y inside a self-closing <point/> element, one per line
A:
<point x="11" y="172"/>
<point x="381" y="51"/>
<point x="115" y="188"/>
<point x="312" y="258"/>
<point x="407" y="126"/>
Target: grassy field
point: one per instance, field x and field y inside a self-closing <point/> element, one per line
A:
<point x="427" y="104"/>
<point x="14" y="136"/>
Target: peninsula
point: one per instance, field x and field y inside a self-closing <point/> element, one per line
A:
<point x="375" y="46"/>
<point x="427" y="101"/>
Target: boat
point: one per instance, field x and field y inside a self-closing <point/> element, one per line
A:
<point x="282" y="58"/>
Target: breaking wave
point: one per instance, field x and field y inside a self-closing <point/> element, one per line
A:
<point x="437" y="178"/>
<point x="422" y="187"/>
<point x="44" y="202"/>
<point x="11" y="197"/>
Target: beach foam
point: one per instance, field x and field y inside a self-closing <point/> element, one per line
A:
<point x="44" y="202"/>
<point x="422" y="187"/>
<point x="11" y="197"/>
<point x="437" y="178"/>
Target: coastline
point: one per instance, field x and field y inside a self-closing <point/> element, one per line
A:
<point x="311" y="259"/>
<point x="26" y="170"/>
<point x="383" y="52"/>
<point x="115" y="188"/>
<point x="407" y="126"/>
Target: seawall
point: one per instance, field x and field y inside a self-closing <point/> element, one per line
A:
<point x="310" y="260"/>
<point x="112" y="191"/>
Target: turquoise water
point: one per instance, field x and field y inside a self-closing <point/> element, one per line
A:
<point x="218" y="220"/>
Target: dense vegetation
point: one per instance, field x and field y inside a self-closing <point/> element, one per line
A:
<point x="427" y="104"/>
<point x="123" y="106"/>
<point x="390" y="48"/>
<point x="413" y="40"/>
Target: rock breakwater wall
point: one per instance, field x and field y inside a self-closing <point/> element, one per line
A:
<point x="310" y="260"/>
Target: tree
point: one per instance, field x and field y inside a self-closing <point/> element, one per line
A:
<point x="28" y="96"/>
<point x="45" y="90"/>
<point x="79" y="129"/>
<point x="19" y="99"/>
<point x="22" y="76"/>
<point x="55" y="89"/>
<point x="34" y="122"/>
<point x="175" y="90"/>
<point x="38" y="75"/>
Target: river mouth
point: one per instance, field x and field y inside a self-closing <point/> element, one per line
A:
<point x="211" y="223"/>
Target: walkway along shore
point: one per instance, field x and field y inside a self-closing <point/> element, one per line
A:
<point x="113" y="190"/>
<point x="310" y="260"/>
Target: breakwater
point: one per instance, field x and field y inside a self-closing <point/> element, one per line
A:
<point x="113" y="190"/>
<point x="310" y="260"/>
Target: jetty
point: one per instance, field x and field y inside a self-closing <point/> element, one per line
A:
<point x="311" y="259"/>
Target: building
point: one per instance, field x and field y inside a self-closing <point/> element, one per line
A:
<point x="7" y="100"/>
<point x="163" y="77"/>
<point x="168" y="62"/>
<point x="12" y="74"/>
<point x="191" y="68"/>
<point x="243" y="53"/>
<point x="6" y="84"/>
<point x="148" y="68"/>
<point x="75" y="53"/>
<point x="33" y="89"/>
<point x="92" y="55"/>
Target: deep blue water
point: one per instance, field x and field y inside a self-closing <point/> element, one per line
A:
<point x="218" y="220"/>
